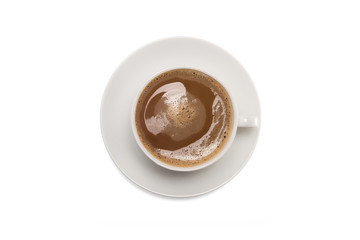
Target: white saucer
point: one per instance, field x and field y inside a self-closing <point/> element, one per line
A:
<point x="126" y="82"/>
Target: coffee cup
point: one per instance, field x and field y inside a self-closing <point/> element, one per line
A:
<point x="184" y="119"/>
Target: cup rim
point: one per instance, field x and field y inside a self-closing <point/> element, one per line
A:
<point x="211" y="161"/>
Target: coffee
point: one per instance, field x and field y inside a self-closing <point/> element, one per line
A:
<point x="183" y="117"/>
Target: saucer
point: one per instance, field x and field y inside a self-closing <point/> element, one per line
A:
<point x="131" y="76"/>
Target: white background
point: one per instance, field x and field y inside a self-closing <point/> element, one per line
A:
<point x="58" y="182"/>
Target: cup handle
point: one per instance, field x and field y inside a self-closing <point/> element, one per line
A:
<point x="248" y="121"/>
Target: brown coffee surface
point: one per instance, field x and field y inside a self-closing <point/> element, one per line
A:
<point x="183" y="117"/>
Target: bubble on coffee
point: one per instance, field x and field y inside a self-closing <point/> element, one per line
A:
<point x="183" y="117"/>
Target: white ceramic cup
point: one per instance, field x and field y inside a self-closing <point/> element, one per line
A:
<point x="238" y="121"/>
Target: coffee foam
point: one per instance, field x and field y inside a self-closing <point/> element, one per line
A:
<point x="196" y="150"/>
<point x="183" y="112"/>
